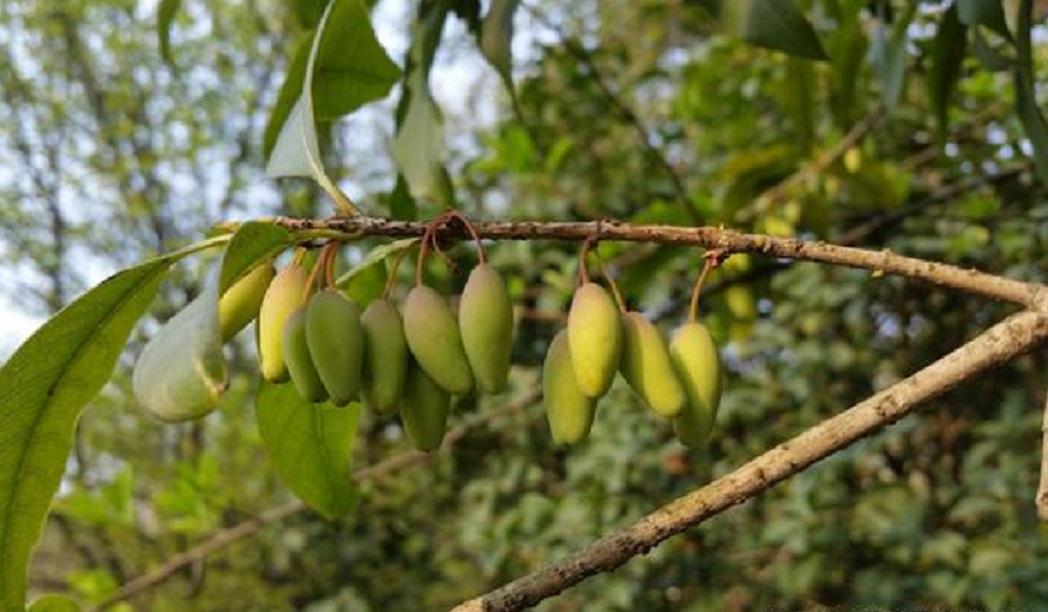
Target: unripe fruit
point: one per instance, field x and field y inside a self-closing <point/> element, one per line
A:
<point x="433" y="337"/>
<point x="386" y="356"/>
<point x="240" y="304"/>
<point x="283" y="296"/>
<point x="647" y="368"/>
<point x="568" y="411"/>
<point x="697" y="363"/>
<point x="299" y="361"/>
<point x="594" y="338"/>
<point x="336" y="344"/>
<point x="486" y="320"/>
<point x="424" y="409"/>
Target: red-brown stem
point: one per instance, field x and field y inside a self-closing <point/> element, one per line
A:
<point x="472" y="231"/>
<point x="392" y="280"/>
<point x="329" y="269"/>
<point x="712" y="261"/>
<point x="611" y="283"/>
<point x="583" y="251"/>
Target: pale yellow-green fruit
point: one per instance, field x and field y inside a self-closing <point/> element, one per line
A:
<point x="594" y="338"/>
<point x="433" y="338"/>
<point x="240" y="304"/>
<point x="299" y="362"/>
<point x="697" y="363"/>
<point x="485" y="316"/>
<point x="283" y="296"/>
<point x="424" y="409"/>
<point x="386" y="356"/>
<point x="336" y="343"/>
<point x="569" y="412"/>
<point x="646" y="366"/>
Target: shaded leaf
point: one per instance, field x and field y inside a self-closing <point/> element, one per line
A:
<point x="774" y="24"/>
<point x="888" y="55"/>
<point x="496" y="38"/>
<point x="1025" y="94"/>
<point x="254" y="242"/>
<point x="947" y="57"/>
<point x="983" y="12"/>
<point x="310" y="446"/>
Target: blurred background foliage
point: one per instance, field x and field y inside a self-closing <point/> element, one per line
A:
<point x="646" y="111"/>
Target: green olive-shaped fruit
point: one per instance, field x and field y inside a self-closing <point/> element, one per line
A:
<point x="240" y="304"/>
<point x="568" y="411"/>
<point x="647" y="368"/>
<point x="594" y="338"/>
<point x="486" y="321"/>
<point x="336" y="343"/>
<point x="299" y="361"/>
<point x="433" y="337"/>
<point x="698" y="366"/>
<point x="283" y="296"/>
<point x="424" y="409"/>
<point x="386" y="356"/>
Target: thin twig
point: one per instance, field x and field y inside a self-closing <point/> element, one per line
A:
<point x="251" y="526"/>
<point x="1030" y="295"/>
<point x="584" y="57"/>
<point x="1002" y="342"/>
<point x="1042" y="487"/>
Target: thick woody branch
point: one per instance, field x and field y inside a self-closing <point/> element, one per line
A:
<point x="1031" y="295"/>
<point x="1002" y="342"/>
<point x="249" y="527"/>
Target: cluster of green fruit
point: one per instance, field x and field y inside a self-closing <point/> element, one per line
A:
<point x="331" y="351"/>
<point x="681" y="381"/>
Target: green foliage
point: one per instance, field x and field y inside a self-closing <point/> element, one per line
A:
<point x="309" y="446"/>
<point x="775" y="24"/>
<point x="45" y="385"/>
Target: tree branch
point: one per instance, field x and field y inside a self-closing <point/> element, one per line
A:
<point x="1042" y="487"/>
<point x="247" y="528"/>
<point x="1030" y="295"/>
<point x="1002" y="342"/>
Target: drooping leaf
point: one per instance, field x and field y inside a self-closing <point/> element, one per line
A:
<point x="1030" y="114"/>
<point x="774" y="24"/>
<point x="165" y="16"/>
<point x="351" y="69"/>
<point x="888" y="56"/>
<point x="43" y="388"/>
<point x="496" y="38"/>
<point x="947" y="57"/>
<point x="401" y="205"/>
<point x="181" y="372"/>
<point x="310" y="446"/>
<point x="253" y="242"/>
<point x="990" y="58"/>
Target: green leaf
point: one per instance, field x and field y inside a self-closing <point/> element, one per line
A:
<point x="351" y="69"/>
<point x="1025" y="97"/>
<point x="374" y="258"/>
<point x="774" y="24"/>
<point x="419" y="145"/>
<point x="496" y="38"/>
<point x="888" y="55"/>
<point x="181" y="373"/>
<point x="401" y="205"/>
<point x="310" y="446"/>
<point x="947" y="57"/>
<point x="253" y="243"/>
<point x="165" y="17"/>
<point x="983" y="12"/>
<point x="43" y="388"/>
<point x="54" y="603"/>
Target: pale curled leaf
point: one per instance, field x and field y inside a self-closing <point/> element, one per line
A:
<point x="181" y="372"/>
<point x="419" y="145"/>
<point x="496" y="38"/>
